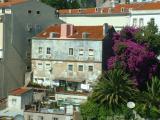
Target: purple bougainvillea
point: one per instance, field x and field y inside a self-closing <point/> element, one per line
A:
<point x="136" y="59"/>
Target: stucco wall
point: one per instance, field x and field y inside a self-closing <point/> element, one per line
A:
<point x="60" y="49"/>
<point x="60" y="71"/>
<point x="16" y="41"/>
<point x="59" y="59"/>
<point x="146" y="15"/>
<point x="46" y="116"/>
<point x="118" y="21"/>
<point x="16" y="104"/>
<point x="74" y="98"/>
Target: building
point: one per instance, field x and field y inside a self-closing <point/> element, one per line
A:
<point x="16" y="102"/>
<point x="31" y="115"/>
<point x="149" y="12"/>
<point x="119" y="15"/>
<point x="19" y="21"/>
<point x="68" y="53"/>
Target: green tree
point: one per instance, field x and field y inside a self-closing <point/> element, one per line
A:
<point x="150" y="35"/>
<point x="149" y="100"/>
<point x="114" y="89"/>
<point x="62" y="4"/>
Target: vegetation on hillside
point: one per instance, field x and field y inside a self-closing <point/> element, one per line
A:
<point x="133" y="75"/>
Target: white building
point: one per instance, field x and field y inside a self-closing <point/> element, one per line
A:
<point x="17" y="99"/>
<point x="67" y="53"/>
<point x="120" y="15"/>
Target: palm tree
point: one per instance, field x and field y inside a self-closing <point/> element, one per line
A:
<point x="149" y="100"/>
<point x="114" y="89"/>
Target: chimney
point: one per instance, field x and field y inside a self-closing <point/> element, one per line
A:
<point x="112" y="3"/>
<point x="3" y="1"/>
<point x="105" y="29"/>
<point x="66" y="30"/>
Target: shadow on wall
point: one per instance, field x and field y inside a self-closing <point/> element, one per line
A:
<point x="107" y="47"/>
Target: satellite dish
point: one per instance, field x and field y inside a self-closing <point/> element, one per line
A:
<point x="19" y="117"/>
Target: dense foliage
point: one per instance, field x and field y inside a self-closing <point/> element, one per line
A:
<point x="70" y="4"/>
<point x="62" y="4"/>
<point x="114" y="89"/>
<point x="136" y="59"/>
<point x="133" y="75"/>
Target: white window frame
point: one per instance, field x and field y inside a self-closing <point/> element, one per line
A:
<point x="134" y="21"/>
<point x="81" y="52"/>
<point x="89" y="52"/>
<point x="14" y="101"/>
<point x="40" y="50"/>
<point x="38" y="65"/>
<point x="47" y="67"/>
<point x="141" y="22"/>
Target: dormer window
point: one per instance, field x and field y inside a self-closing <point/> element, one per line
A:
<point x="85" y="35"/>
<point x="97" y="9"/>
<point x="80" y="11"/>
<point x="122" y="9"/>
<point x="109" y="10"/>
<point x="130" y="9"/>
<point x="53" y="35"/>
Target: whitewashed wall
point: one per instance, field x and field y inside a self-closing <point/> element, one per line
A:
<point x="147" y="15"/>
<point x="117" y="21"/>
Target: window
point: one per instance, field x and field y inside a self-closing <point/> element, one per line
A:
<point x="90" y="68"/>
<point x="141" y="22"/>
<point x="14" y="101"/>
<point x="55" y="118"/>
<point x="91" y="52"/>
<point x="48" y="50"/>
<point x="53" y="35"/>
<point x="28" y="68"/>
<point x="122" y="9"/>
<point x="38" y="12"/>
<point x="70" y="51"/>
<point x="29" y="11"/>
<point x="48" y="66"/>
<point x="30" y="117"/>
<point x="37" y="28"/>
<point x="152" y="20"/>
<point x="40" y="66"/>
<point x="134" y="22"/>
<point x="81" y="52"/>
<point x="109" y="10"/>
<point x="40" y="50"/>
<point x="70" y="67"/>
<point x="80" y="67"/>
<point x="29" y="27"/>
<point x="40" y="118"/>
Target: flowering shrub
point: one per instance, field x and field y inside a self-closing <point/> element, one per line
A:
<point x="134" y="58"/>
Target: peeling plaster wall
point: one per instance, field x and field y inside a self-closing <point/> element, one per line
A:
<point x="59" y="59"/>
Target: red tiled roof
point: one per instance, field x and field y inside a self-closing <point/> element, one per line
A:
<point x="19" y="91"/>
<point x="117" y="9"/>
<point x="11" y="2"/>
<point x="94" y="32"/>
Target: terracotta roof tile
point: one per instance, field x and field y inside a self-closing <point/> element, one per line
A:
<point x="94" y="32"/>
<point x="11" y="2"/>
<point x="19" y="91"/>
<point x="116" y="10"/>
